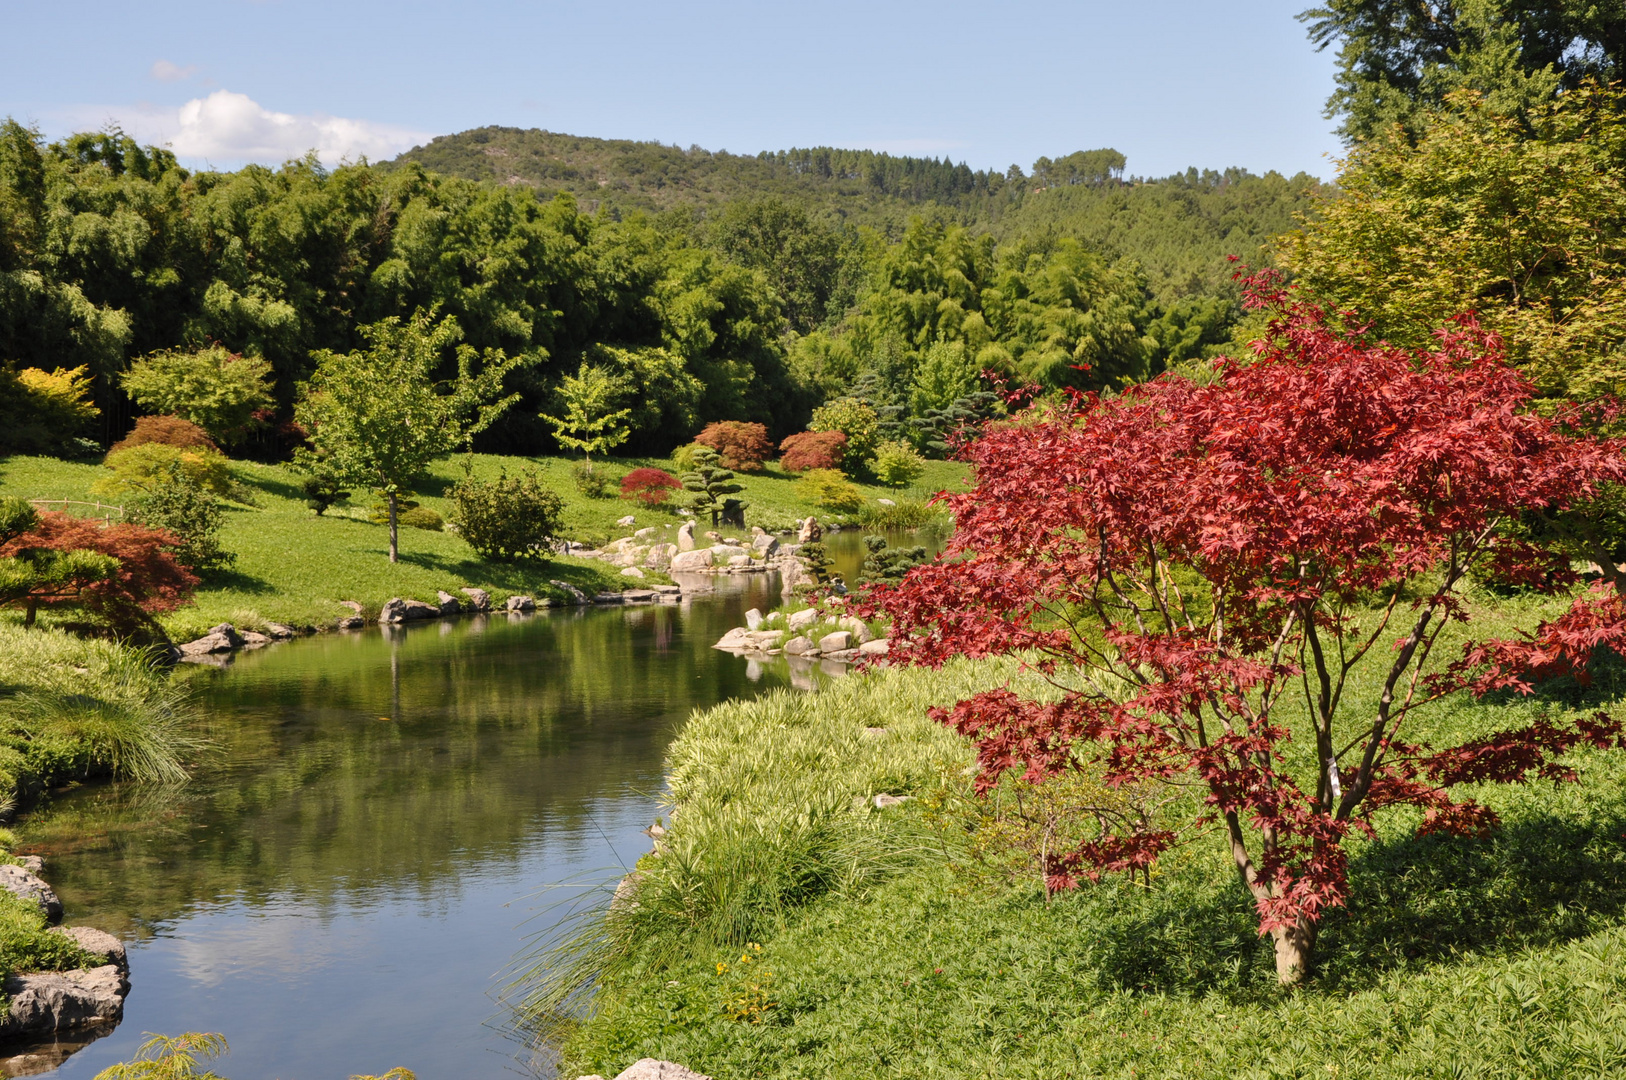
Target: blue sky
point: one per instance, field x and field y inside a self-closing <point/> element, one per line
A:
<point x="1170" y="83"/>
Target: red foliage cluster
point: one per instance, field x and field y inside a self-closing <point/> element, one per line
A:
<point x="147" y="580"/>
<point x="652" y="487"/>
<point x="813" y="450"/>
<point x="168" y="430"/>
<point x="1181" y="557"/>
<point x="742" y="446"/>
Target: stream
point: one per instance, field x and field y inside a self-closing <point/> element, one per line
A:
<point x="383" y="822"/>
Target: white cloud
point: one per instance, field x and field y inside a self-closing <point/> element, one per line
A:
<point x="228" y="127"/>
<point x="169" y="71"/>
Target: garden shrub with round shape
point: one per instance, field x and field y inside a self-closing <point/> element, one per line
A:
<point x="145" y="467"/>
<point x="507" y="519"/>
<point x="651" y="487"/>
<point x="831" y="490"/>
<point x="168" y="431"/>
<point x="896" y="464"/>
<point x="742" y="446"/>
<point x="812" y="450"/>
<point x="422" y="517"/>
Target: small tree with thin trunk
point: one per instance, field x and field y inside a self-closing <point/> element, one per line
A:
<point x="379" y="416"/>
<point x="1200" y="570"/>
<point x="591" y="422"/>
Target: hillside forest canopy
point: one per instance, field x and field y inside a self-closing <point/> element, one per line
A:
<point x="712" y="287"/>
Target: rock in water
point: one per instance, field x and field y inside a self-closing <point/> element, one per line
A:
<point x="753" y="619"/>
<point x="19" y="882"/>
<point x="519" y="603"/>
<point x="100" y="942"/>
<point x="839" y="641"/>
<point x="479" y="599"/>
<point x="809" y="533"/>
<point x="448" y="603"/>
<point x="691" y="561"/>
<point x="219" y="639"/>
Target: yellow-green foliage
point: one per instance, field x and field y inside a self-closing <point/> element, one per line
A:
<point x="142" y="468"/>
<point x="41" y="410"/>
<point x="897" y="464"/>
<point x="170" y="1057"/>
<point x="211" y="387"/>
<point x="829" y="489"/>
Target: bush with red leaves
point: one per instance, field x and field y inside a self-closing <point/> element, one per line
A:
<point x="168" y="430"/>
<point x="743" y="447"/>
<point x="813" y="450"/>
<point x="1181" y="561"/>
<point x="138" y="576"/>
<point x="652" y="487"/>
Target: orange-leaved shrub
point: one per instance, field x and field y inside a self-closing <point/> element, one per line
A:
<point x="167" y="431"/>
<point x="742" y="446"/>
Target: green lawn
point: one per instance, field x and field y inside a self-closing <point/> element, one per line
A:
<point x="294" y="567"/>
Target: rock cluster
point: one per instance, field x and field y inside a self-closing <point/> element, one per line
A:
<point x="46" y="1002"/>
<point x="653" y="1069"/>
<point x="807" y="633"/>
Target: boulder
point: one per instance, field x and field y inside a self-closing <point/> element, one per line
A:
<point x="49" y="1001"/>
<point x="737" y="638"/>
<point x="608" y="598"/>
<point x="809" y="533"/>
<point x="352" y="605"/>
<point x="19" y="882"/>
<point x="351" y="622"/>
<point x="99" y="942"/>
<point x="573" y="595"/>
<point x="766" y="639"/>
<point x="792" y="575"/>
<point x="448" y="603"/>
<point x="674" y="591"/>
<point x="279" y="631"/>
<point x="844" y="656"/>
<point x="222" y="638"/>
<point x="685" y="537"/>
<point x="801" y="620"/>
<point x="714" y="536"/>
<point x="886" y="502"/>
<point x="253" y="639"/>
<point x="883" y="800"/>
<point x="646" y="533"/>
<point x="739" y="562"/>
<point x="479" y="599"/>
<point x="855" y="626"/>
<point x="836" y="641"/>
<point x="753" y="619"/>
<point x="689" y="562"/>
<point x="33" y="864"/>
<point x="632" y="571"/>
<point x="638" y="596"/>
<point x="765" y="546"/>
<point x="878" y="647"/>
<point x="798" y="645"/>
<point x="397" y="610"/>
<point x="519" y="603"/>
<point x="626" y="522"/>
<point x="660" y="556"/>
<point x="655" y="1069"/>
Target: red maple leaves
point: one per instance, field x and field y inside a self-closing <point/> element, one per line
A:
<point x="1182" y="558"/>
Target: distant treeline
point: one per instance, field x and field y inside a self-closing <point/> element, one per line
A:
<point x="719" y="286"/>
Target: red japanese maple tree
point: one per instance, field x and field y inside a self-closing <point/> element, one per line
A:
<point x="1191" y="564"/>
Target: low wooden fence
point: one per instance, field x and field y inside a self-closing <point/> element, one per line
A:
<point x="105" y="511"/>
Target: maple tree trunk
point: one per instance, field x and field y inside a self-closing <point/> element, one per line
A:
<point x="1295" y="950"/>
<point x="392" y="526"/>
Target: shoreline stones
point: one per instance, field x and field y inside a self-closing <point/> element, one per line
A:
<point x="653" y="1069"/>
<point x="805" y="634"/>
<point x="45" y="1003"/>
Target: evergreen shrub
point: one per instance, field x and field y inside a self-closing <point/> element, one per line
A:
<point x="507" y="519"/>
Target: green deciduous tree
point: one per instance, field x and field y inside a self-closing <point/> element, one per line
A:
<point x="215" y="389"/>
<point x="591" y="421"/>
<point x="379" y="416"/>
<point x="1520" y="220"/>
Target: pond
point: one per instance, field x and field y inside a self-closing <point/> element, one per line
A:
<point x="385" y="821"/>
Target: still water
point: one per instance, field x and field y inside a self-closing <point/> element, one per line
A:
<point x="385" y="821"/>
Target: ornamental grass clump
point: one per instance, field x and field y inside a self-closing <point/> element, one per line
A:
<point x="1255" y="589"/>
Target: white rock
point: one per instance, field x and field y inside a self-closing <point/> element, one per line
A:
<point x="884" y="800"/>
<point x="626" y="522"/>
<point x="837" y="641"/>
<point x="878" y="647"/>
<point x="855" y="626"/>
<point x="801" y="620"/>
<point x="886" y="502"/>
<point x="632" y="571"/>
<point x="691" y="561"/>
<point x="753" y="619"/>
<point x="798" y="645"/>
<point x="654" y="1069"/>
<point x="737" y="638"/>
<point x="685" y="537"/>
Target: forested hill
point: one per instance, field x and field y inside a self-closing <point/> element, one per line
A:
<point x="1178" y="228"/>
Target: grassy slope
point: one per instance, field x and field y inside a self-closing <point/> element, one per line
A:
<point x="893" y="952"/>
<point x="294" y="567"/>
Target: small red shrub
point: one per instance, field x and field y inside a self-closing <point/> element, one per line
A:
<point x="147" y="580"/>
<point x="743" y="447"/>
<point x="649" y="486"/>
<point x="813" y="450"/>
<point x="168" y="430"/>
